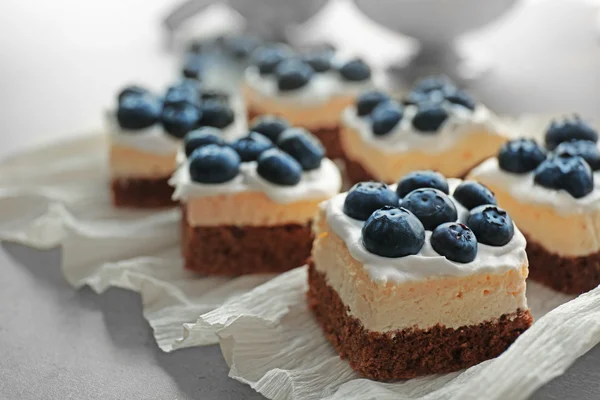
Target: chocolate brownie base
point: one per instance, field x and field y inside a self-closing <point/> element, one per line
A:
<point x="572" y="275"/>
<point x="142" y="193"/>
<point x="408" y="353"/>
<point x="329" y="137"/>
<point x="239" y="250"/>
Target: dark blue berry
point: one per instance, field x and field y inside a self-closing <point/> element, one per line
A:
<point x="366" y="197"/>
<point x="454" y="241"/>
<point x="279" y="168"/>
<point x="472" y="194"/>
<point x="216" y="113"/>
<point x="367" y="102"/>
<point x="585" y="149"/>
<point x="137" y="109"/>
<point x="433" y="207"/>
<point x="293" y="74"/>
<point x="429" y="118"/>
<point x="181" y="93"/>
<point x="421" y="179"/>
<point x="267" y="58"/>
<point x="303" y="146"/>
<point x="355" y="70"/>
<point x="393" y="232"/>
<point x="566" y="172"/>
<point x="320" y="61"/>
<point x="132" y="90"/>
<point x="214" y="95"/>
<point x="461" y="98"/>
<point x="385" y="117"/>
<point x="433" y="83"/>
<point x="193" y="65"/>
<point x="567" y="130"/>
<point x="202" y="137"/>
<point x="270" y="126"/>
<point x="491" y="225"/>
<point x="434" y="97"/>
<point x="251" y="146"/>
<point x="214" y="164"/>
<point x="180" y="118"/>
<point x="520" y="156"/>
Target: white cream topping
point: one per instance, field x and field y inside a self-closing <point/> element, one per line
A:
<point x="404" y="137"/>
<point x="320" y="183"/>
<point x="319" y="90"/>
<point x="523" y="188"/>
<point x="427" y="263"/>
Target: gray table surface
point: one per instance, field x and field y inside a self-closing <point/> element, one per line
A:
<point x="58" y="343"/>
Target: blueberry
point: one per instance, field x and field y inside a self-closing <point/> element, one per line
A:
<point x="432" y="83"/>
<point x="367" y="102"/>
<point x="180" y="118"/>
<point x="520" y="156"/>
<point x="566" y="172"/>
<point x="270" y="126"/>
<point x="585" y="149"/>
<point x="421" y="179"/>
<point x="132" y="90"/>
<point x="193" y="65"/>
<point x="202" y="137"/>
<point x="251" y="146"/>
<point x="454" y="241"/>
<point x="491" y="225"/>
<point x="279" y="168"/>
<point x="181" y="93"/>
<point x="472" y="194"/>
<point x="461" y="98"/>
<point x="433" y="207"/>
<point x="366" y="197"/>
<point x="214" y="164"/>
<point x="429" y="118"/>
<point x="433" y="97"/>
<point x="355" y="70"/>
<point x="319" y="61"/>
<point x="215" y="95"/>
<point x="216" y="113"/>
<point x="393" y="232"/>
<point x="385" y="117"/>
<point x="568" y="130"/>
<point x="137" y="109"/>
<point x="303" y="146"/>
<point x="240" y="47"/>
<point x="293" y="74"/>
<point x="267" y="59"/>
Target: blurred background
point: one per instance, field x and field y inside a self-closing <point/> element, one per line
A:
<point x="63" y="60"/>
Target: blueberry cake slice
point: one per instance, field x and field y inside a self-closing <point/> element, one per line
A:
<point x="247" y="205"/>
<point x="436" y="126"/>
<point x="310" y="89"/>
<point x="145" y="133"/>
<point x="553" y="193"/>
<point x="423" y="277"/>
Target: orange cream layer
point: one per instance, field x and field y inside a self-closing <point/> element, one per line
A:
<point x="248" y="209"/>
<point x="449" y="301"/>
<point x="127" y="162"/>
<point x="315" y="116"/>
<point x="469" y="150"/>
<point x="570" y="235"/>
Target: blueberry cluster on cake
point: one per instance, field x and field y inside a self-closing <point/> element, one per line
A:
<point x="145" y="133"/>
<point x="248" y="204"/>
<point x="553" y="193"/>
<point x="310" y="89"/>
<point x="435" y="126"/>
<point x="423" y="277"/>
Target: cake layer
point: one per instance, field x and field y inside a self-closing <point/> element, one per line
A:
<point x="236" y="250"/>
<point x="142" y="192"/>
<point x="451" y="301"/>
<point x="407" y="353"/>
<point x="567" y="234"/>
<point x="467" y="150"/>
<point x="312" y="116"/>
<point x="129" y="162"/>
<point x="248" y="209"/>
<point x="572" y="275"/>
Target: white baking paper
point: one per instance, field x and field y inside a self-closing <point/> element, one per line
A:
<point x="271" y="342"/>
<point x="59" y="195"/>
